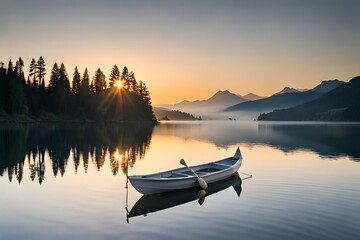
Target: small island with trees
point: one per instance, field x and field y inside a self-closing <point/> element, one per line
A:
<point x="29" y="99"/>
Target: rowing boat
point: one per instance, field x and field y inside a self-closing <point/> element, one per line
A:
<point x="183" y="178"/>
<point x="161" y="201"/>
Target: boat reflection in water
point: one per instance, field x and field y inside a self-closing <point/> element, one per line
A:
<point x="160" y="201"/>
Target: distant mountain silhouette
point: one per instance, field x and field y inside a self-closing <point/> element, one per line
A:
<point x="220" y="98"/>
<point x="340" y="104"/>
<point x="252" y="97"/>
<point x="288" y="90"/>
<point x="215" y="103"/>
<point x="164" y="113"/>
<point x="285" y="100"/>
<point x="327" y="86"/>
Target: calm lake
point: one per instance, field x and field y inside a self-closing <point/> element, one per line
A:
<point x="69" y="181"/>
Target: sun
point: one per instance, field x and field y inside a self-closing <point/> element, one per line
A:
<point x="118" y="84"/>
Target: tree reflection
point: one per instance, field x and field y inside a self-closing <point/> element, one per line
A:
<point x="122" y="144"/>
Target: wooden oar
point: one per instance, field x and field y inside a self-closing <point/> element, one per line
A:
<point x="201" y="195"/>
<point x="201" y="181"/>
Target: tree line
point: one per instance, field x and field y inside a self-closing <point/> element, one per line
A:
<point x="125" y="99"/>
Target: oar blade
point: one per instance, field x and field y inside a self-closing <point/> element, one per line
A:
<point x="182" y="162"/>
<point x="201" y="195"/>
<point x="202" y="183"/>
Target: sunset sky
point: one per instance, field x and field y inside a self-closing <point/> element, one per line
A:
<point x="190" y="49"/>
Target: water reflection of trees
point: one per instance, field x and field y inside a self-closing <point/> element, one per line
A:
<point x="123" y="144"/>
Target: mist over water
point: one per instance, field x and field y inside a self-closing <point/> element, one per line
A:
<point x="71" y="179"/>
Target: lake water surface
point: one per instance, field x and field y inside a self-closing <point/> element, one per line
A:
<point x="69" y="181"/>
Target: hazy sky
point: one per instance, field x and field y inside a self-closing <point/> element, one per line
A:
<point x="190" y="49"/>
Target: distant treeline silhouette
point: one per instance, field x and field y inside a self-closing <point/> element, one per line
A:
<point x="126" y="99"/>
<point x="29" y="145"/>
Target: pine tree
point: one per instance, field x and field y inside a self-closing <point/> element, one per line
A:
<point x="19" y="70"/>
<point x="140" y="89"/>
<point x="64" y="83"/>
<point x="40" y="70"/>
<point x="63" y="90"/>
<point x="54" y="76"/>
<point x="132" y="81"/>
<point x="14" y="92"/>
<point x="32" y="71"/>
<point x="2" y="86"/>
<point x="84" y="87"/>
<point x="84" y="104"/>
<point x="100" y="83"/>
<point x="8" y="88"/>
<point x="144" y="93"/>
<point x="42" y="92"/>
<point x="125" y="78"/>
<point x="114" y="75"/>
<point x="76" y="81"/>
<point x="10" y="67"/>
<point x="92" y="87"/>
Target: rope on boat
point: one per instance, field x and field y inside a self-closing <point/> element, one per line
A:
<point x="248" y="176"/>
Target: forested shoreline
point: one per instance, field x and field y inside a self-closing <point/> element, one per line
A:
<point x="122" y="98"/>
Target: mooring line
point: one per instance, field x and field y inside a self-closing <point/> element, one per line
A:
<point x="249" y="176"/>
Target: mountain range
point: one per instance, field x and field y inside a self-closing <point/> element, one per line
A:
<point x="339" y="104"/>
<point x="207" y="108"/>
<point x="289" y="90"/>
<point x="252" y="96"/>
<point x="285" y="99"/>
<point x="219" y="99"/>
<point x="313" y="104"/>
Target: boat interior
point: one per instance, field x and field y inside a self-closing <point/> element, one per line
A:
<point x="200" y="170"/>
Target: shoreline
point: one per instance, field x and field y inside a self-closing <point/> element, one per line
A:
<point x="50" y="118"/>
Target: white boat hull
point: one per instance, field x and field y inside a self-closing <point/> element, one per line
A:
<point x="181" y="179"/>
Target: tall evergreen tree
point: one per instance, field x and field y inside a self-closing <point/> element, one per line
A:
<point x="84" y="92"/>
<point x="64" y="83"/>
<point x="2" y="86"/>
<point x="63" y="90"/>
<point x="19" y="70"/>
<point x="54" y="76"/>
<point x="42" y="95"/>
<point x="92" y="87"/>
<point x="15" y="96"/>
<point x="144" y="93"/>
<point x="100" y="83"/>
<point x="52" y="94"/>
<point x="32" y="71"/>
<point x="132" y="81"/>
<point x="85" y="83"/>
<point x="9" y="88"/>
<point x="114" y="75"/>
<point x="125" y="78"/>
<point x="140" y="89"/>
<point x="10" y="67"/>
<point x="40" y="70"/>
<point x="76" y="81"/>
